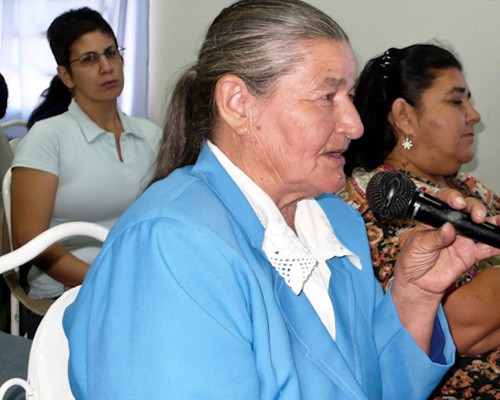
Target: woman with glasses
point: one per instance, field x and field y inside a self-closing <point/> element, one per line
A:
<point x="88" y="163"/>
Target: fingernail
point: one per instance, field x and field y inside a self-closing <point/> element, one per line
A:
<point x="460" y="201"/>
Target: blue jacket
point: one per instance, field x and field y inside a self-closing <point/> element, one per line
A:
<point x="182" y="303"/>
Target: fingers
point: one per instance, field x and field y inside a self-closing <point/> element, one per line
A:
<point x="472" y="205"/>
<point x="476" y="209"/>
<point x="436" y="239"/>
<point x="495" y="220"/>
<point x="452" y="197"/>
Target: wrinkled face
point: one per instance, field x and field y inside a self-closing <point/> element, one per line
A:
<point x="307" y="123"/>
<point x="444" y="128"/>
<point x="101" y="82"/>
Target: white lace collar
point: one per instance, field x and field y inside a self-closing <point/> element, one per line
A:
<point x="294" y="257"/>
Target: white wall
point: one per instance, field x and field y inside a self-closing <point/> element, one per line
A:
<point x="469" y="26"/>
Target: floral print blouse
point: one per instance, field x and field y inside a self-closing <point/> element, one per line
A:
<point x="476" y="377"/>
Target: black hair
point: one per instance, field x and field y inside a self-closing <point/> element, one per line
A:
<point x="4" y="96"/>
<point x="397" y="73"/>
<point x="56" y="99"/>
<point x="69" y="26"/>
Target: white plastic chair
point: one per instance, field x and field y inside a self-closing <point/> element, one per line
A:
<point x="18" y="293"/>
<point x="13" y="143"/>
<point x="16" y="127"/>
<point x="13" y="122"/>
<point x="48" y="360"/>
<point x="14" y="302"/>
<point x="7" y="180"/>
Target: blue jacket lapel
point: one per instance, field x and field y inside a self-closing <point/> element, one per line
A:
<point x="317" y="345"/>
<point x="305" y="326"/>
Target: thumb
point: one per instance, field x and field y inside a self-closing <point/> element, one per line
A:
<point x="436" y="239"/>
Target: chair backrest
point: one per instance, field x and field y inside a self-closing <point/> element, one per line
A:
<point x="56" y="233"/>
<point x="47" y="238"/>
<point x="48" y="361"/>
<point x="6" y="153"/>
<point x="6" y="189"/>
<point x="15" y="128"/>
<point x="49" y="355"/>
<point x="11" y="278"/>
<point x="6" y="157"/>
<point x="6" y="183"/>
<point x="13" y="144"/>
<point x="13" y="122"/>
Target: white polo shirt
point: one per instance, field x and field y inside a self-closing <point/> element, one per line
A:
<point x="94" y="185"/>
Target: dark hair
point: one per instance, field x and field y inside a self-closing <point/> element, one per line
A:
<point x="256" y="40"/>
<point x="397" y="73"/>
<point x="69" y="26"/>
<point x="56" y="99"/>
<point x="4" y="96"/>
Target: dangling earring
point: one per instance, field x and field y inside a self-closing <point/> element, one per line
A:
<point x="407" y="143"/>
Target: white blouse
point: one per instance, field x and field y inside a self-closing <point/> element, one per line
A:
<point x="299" y="258"/>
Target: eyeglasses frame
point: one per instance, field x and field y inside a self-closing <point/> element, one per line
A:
<point x="119" y="49"/>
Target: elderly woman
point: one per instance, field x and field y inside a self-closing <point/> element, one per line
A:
<point x="236" y="274"/>
<point x="88" y="163"/>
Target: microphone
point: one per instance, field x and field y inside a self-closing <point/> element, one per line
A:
<point x="392" y="194"/>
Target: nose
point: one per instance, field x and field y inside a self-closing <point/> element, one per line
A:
<point x="473" y="116"/>
<point x="349" y="122"/>
<point x="105" y="64"/>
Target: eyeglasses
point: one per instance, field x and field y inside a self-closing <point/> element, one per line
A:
<point x="93" y="57"/>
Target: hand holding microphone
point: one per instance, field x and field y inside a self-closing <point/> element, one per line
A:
<point x="392" y="194"/>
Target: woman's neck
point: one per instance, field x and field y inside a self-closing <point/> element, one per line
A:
<point x="437" y="180"/>
<point x="103" y="114"/>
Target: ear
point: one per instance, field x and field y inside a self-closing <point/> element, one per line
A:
<point x="402" y="116"/>
<point x="233" y="101"/>
<point x="65" y="76"/>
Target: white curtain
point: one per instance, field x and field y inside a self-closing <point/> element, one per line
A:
<point x="27" y="63"/>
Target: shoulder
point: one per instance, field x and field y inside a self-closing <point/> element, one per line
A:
<point x="181" y="196"/>
<point x="473" y="183"/>
<point x="143" y="123"/>
<point x="490" y="198"/>
<point x="142" y="126"/>
<point x="53" y="129"/>
<point x="56" y="128"/>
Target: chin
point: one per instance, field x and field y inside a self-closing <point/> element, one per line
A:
<point x="329" y="182"/>
<point x="467" y="159"/>
<point x="337" y="185"/>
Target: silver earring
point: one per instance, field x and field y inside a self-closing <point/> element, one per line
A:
<point x="407" y="143"/>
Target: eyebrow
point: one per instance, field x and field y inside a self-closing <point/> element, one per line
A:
<point x="98" y="51"/>
<point x="332" y="82"/>
<point x="460" y="90"/>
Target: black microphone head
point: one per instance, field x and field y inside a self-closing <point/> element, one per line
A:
<point x="390" y="194"/>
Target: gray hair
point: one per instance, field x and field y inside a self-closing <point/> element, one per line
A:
<point x="256" y="40"/>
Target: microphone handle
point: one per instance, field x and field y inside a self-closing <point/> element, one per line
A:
<point x="434" y="212"/>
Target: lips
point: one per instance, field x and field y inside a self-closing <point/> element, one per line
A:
<point x="337" y="153"/>
<point x="336" y="157"/>
<point x="469" y="135"/>
<point x="110" y="84"/>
